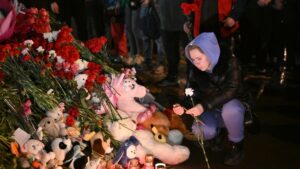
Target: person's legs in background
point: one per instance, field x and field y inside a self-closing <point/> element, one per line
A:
<point x="132" y="33"/>
<point x="119" y="39"/>
<point x="171" y="43"/>
<point x="80" y="18"/>
<point x="159" y="67"/>
<point x="147" y="46"/>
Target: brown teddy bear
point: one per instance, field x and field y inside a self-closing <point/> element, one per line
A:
<point x="164" y="122"/>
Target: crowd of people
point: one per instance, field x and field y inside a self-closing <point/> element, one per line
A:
<point x="263" y="29"/>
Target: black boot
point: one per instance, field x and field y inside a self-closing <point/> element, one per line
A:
<point x="217" y="144"/>
<point x="235" y="154"/>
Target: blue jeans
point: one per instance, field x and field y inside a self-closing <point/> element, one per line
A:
<point x="231" y="116"/>
<point x="148" y="49"/>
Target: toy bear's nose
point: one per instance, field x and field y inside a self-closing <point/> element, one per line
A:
<point x="62" y="145"/>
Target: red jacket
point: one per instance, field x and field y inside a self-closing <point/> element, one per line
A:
<point x="224" y="9"/>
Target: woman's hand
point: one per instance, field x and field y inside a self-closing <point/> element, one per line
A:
<point x="178" y="109"/>
<point x="229" y="22"/>
<point x="187" y="26"/>
<point x="196" y="110"/>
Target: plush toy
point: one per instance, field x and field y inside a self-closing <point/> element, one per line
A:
<point x="123" y="128"/>
<point x="167" y="153"/>
<point x="75" y="159"/>
<point x="127" y="90"/>
<point x="159" y="124"/>
<point x="48" y="126"/>
<point x="93" y="164"/>
<point x="126" y="152"/>
<point x="36" y="153"/>
<point x="69" y="155"/>
<point x="58" y="116"/>
<point x="101" y="146"/>
<point x="61" y="147"/>
<point x="152" y="118"/>
<point x="80" y="80"/>
<point x="177" y="123"/>
<point x="158" y="136"/>
<point x="7" y="24"/>
<point x="95" y="145"/>
<point x="175" y="137"/>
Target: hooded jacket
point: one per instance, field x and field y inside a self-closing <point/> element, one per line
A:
<point x="223" y="83"/>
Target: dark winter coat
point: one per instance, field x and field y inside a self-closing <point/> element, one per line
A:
<point x="224" y="83"/>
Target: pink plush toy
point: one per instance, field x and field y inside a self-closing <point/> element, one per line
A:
<point x="7" y="24"/>
<point x="126" y="89"/>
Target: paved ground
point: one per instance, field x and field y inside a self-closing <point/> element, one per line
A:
<point x="277" y="146"/>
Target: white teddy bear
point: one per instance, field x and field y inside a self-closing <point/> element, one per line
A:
<point x="35" y="150"/>
<point x="58" y="116"/>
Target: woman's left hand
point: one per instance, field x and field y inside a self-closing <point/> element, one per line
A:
<point x="196" y="110"/>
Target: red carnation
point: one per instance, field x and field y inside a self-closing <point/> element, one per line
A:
<point x="188" y="8"/>
<point x="73" y="111"/>
<point x="95" y="45"/>
<point x="26" y="58"/>
<point x="101" y="79"/>
<point x="70" y="121"/>
<point x="184" y="6"/>
<point x="64" y="37"/>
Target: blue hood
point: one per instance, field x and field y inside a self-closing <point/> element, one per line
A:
<point x="209" y="44"/>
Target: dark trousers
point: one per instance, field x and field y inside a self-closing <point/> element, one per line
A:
<point x="171" y="42"/>
<point x="95" y="18"/>
<point x="75" y="9"/>
<point x="256" y="33"/>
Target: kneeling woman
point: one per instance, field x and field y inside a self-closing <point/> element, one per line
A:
<point x="218" y="93"/>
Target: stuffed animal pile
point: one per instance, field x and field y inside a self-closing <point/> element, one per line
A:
<point x="141" y="128"/>
<point x="52" y="147"/>
<point x="150" y="127"/>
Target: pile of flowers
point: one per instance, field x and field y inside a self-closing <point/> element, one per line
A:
<point x="43" y="71"/>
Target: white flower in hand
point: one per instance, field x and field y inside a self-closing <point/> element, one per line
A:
<point x="189" y="92"/>
<point x="178" y="109"/>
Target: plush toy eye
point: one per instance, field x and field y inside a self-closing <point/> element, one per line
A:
<point x="62" y="145"/>
<point x="132" y="86"/>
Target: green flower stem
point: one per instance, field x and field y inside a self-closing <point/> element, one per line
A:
<point x="200" y="138"/>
